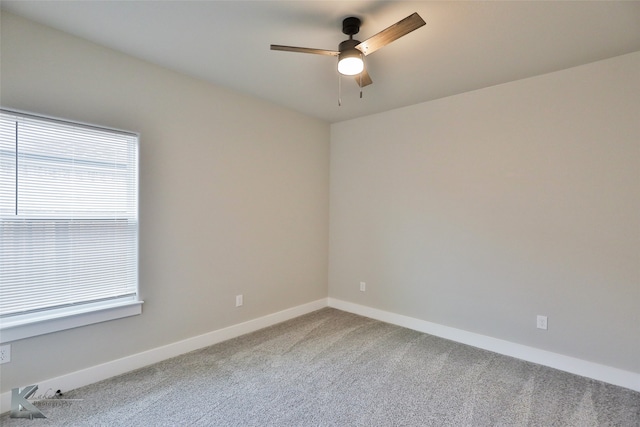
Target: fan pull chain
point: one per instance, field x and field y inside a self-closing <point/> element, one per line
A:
<point x="364" y="63"/>
<point x="339" y="90"/>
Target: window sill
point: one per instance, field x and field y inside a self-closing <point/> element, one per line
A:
<point x="45" y="323"/>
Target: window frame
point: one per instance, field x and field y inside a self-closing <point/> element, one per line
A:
<point x="52" y="320"/>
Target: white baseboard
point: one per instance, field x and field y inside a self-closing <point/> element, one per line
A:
<point x="569" y="364"/>
<point x="619" y="377"/>
<point x="116" y="367"/>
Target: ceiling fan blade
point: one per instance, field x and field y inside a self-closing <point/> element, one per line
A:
<point x="304" y="50"/>
<point x="394" y="32"/>
<point x="363" y="79"/>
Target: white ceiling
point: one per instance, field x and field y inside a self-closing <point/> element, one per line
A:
<point x="464" y="46"/>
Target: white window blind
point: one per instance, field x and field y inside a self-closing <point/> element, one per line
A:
<point x="68" y="217"/>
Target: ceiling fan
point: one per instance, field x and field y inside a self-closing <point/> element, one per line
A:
<point x="351" y="52"/>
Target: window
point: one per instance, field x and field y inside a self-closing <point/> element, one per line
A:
<point x="68" y="225"/>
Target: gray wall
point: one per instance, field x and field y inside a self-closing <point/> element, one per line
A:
<point x="482" y="210"/>
<point x="233" y="195"/>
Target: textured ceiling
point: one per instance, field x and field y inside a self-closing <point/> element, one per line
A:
<point x="464" y="46"/>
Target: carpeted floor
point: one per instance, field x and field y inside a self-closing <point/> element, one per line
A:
<point x="331" y="368"/>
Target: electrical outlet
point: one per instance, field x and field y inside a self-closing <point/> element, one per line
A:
<point x="542" y="322"/>
<point x="363" y="286"/>
<point x="5" y="353"/>
<point x="239" y="300"/>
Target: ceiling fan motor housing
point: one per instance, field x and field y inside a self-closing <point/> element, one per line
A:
<point x="348" y="44"/>
<point x="350" y="61"/>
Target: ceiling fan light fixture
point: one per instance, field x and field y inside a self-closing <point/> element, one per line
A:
<point x="350" y="62"/>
